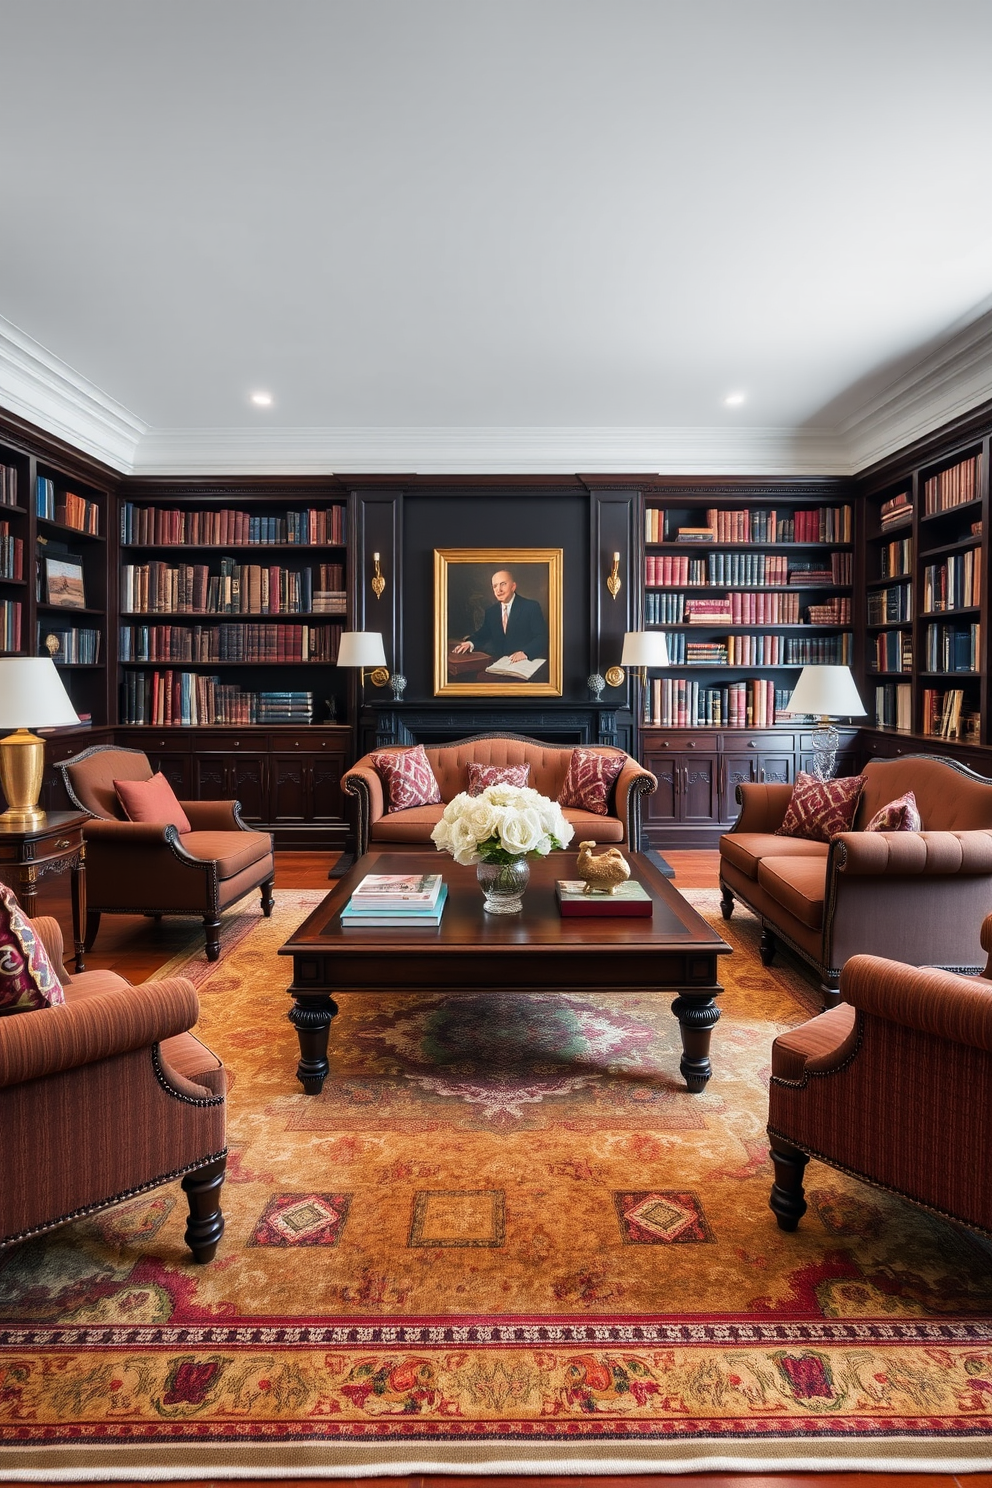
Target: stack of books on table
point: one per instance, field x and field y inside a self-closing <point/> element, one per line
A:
<point x="627" y="899"/>
<point x="405" y="900"/>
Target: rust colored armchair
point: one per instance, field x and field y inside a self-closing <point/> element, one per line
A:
<point x="104" y="1098"/>
<point x="144" y="868"/>
<point x="894" y="1086"/>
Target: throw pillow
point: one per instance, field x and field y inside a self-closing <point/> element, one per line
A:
<point x="900" y="815"/>
<point x="819" y="809"/>
<point x="152" y="800"/>
<point x="27" y="977"/>
<point x="408" y="777"/>
<point x="591" y="776"/>
<point x="480" y="777"/>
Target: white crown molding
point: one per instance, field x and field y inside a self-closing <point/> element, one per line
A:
<point x="37" y="386"/>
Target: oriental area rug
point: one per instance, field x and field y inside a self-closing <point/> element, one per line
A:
<point x="504" y="1239"/>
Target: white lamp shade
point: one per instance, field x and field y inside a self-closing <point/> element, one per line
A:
<point x="644" y="648"/>
<point x="32" y="695"/>
<point x="361" y="648"/>
<point x="827" y="691"/>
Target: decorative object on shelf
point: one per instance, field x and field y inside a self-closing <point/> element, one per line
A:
<point x="614" y="582"/>
<point x="615" y="676"/>
<point x="52" y="645"/>
<point x="364" y="648"/>
<point x="31" y="696"/>
<point x="498" y="831"/>
<point x="64" y="581"/>
<point x="378" y="582"/>
<point x="331" y="704"/>
<point x="397" y="682"/>
<point x="595" y="684"/>
<point x="827" y="692"/>
<point x="603" y="873"/>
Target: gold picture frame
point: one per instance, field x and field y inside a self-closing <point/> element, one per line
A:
<point x="467" y="605"/>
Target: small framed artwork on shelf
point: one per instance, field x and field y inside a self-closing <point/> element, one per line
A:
<point x="64" y="582"/>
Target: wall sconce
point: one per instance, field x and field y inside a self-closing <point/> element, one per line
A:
<point x="613" y="582"/>
<point x="643" y="649"/>
<point x="378" y="582"/>
<point x="363" y="648"/>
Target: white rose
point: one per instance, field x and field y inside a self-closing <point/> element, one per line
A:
<point x="456" y="806"/>
<point x="441" y="836"/>
<point x="520" y="831"/>
<point x="483" y="817"/>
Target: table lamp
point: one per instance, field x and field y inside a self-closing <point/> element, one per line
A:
<point x="31" y="696"/>
<point x="829" y="692"/>
<point x="643" y="649"/>
<point x="363" y="648"/>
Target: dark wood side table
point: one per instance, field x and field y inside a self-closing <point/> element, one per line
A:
<point x="28" y="854"/>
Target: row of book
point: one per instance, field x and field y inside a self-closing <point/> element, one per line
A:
<point x="682" y="702"/>
<point x="835" y="611"/>
<point x="10" y="625"/>
<point x="167" y="527"/>
<point x="945" y="715"/>
<point x="896" y="558"/>
<point x="893" y="651"/>
<point x="894" y="705"/>
<point x="399" y="900"/>
<point x="955" y="584"/>
<point x="66" y="508"/>
<point x="953" y="648"/>
<point x="237" y="589"/>
<point x="823" y="524"/>
<point x="953" y="487"/>
<point x="760" y="650"/>
<point x="8" y="485"/>
<point x="742" y="609"/>
<point x="772" y="570"/>
<point x="11" y="554"/>
<point x="252" y="643"/>
<point x="78" y="645"/>
<point x="896" y="511"/>
<point x="187" y="698"/>
<point x="886" y="605"/>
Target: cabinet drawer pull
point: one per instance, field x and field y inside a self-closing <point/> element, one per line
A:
<point x="690" y="744"/>
<point x="752" y="743"/>
<point x="62" y="844"/>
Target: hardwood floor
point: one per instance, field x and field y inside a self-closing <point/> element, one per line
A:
<point x="136" y="947"/>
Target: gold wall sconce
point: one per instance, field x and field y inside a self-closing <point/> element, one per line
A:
<point x="378" y="582"/>
<point x="614" y="583"/>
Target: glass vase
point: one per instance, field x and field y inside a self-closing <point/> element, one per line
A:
<point x="503" y="885"/>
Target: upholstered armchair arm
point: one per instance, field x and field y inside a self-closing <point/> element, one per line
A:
<point x="49" y="932"/>
<point x="909" y="854"/>
<point x="126" y="833"/>
<point x="633" y="782"/>
<point x="215" y="816"/>
<point x="939" y="1003"/>
<point x="34" y="1045"/>
<point x="364" y="785"/>
<point x="763" y="807"/>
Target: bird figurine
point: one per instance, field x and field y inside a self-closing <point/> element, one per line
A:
<point x="603" y="874"/>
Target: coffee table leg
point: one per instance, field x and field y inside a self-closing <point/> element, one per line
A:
<point x="311" y="1017"/>
<point x="697" y="1014"/>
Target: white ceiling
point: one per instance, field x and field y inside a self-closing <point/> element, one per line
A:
<point x="494" y="233"/>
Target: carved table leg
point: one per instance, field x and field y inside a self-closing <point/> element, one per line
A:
<point x="27" y="891"/>
<point x="697" y="1014"/>
<point x="206" y="1222"/>
<point x="311" y="1017"/>
<point x="79" y="911"/>
<point x="787" y="1202"/>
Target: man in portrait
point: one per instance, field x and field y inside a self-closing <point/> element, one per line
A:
<point x="513" y="626"/>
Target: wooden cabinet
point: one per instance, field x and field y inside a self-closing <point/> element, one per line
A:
<point x="688" y="794"/>
<point x="305" y="778"/>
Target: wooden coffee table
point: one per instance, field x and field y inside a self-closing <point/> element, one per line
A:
<point x="536" y="951"/>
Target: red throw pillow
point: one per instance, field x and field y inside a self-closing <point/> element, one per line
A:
<point x="900" y="815"/>
<point x="408" y="778"/>
<point x="28" y="980"/>
<point x="152" y="800"/>
<point x="819" y="809"/>
<point x="591" y="777"/>
<point x="481" y="777"/>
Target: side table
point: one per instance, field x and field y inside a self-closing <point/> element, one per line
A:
<point x="28" y="854"/>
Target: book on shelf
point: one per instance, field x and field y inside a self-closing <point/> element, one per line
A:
<point x="521" y="671"/>
<point x="398" y="888"/>
<point x="409" y="917"/>
<point x="629" y="900"/>
<point x="695" y="534"/>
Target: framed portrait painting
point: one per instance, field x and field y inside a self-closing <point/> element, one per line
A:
<point x="497" y="622"/>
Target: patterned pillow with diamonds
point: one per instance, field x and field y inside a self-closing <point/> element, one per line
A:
<point x="900" y="815"/>
<point x="28" y="980"/>
<point x="819" y="809"/>
<point x="408" y="778"/>
<point x="591" y="777"/>
<point x="481" y="777"/>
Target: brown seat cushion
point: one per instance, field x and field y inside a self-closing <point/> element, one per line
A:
<point x="589" y="826"/>
<point x="746" y="849"/>
<point x="413" y="825"/>
<point x="819" y="1036"/>
<point x="798" y="884"/>
<point x="232" y="851"/>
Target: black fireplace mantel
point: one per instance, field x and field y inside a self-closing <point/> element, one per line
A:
<point x="442" y="722"/>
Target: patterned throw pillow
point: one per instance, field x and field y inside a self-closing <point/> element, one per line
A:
<point x="819" y="809"/>
<point x="900" y="815"/>
<point x="408" y="777"/>
<point x="480" y="777"/>
<point x="590" y="779"/>
<point x="152" y="800"/>
<point x="27" y="977"/>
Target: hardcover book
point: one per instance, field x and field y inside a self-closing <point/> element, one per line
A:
<point x="383" y="889"/>
<point x="629" y="900"/>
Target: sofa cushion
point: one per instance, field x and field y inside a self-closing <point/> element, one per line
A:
<point x="590" y="779"/>
<point x="798" y="884"/>
<point x="746" y="849"/>
<point x="152" y="800"/>
<point x="232" y="851"/>
<point x="413" y="826"/>
<point x="28" y="980"/>
<point x="819" y="809"/>
<point x="589" y="826"/>
<point x="407" y="777"/>
<point x="481" y="777"/>
<point x="900" y="815"/>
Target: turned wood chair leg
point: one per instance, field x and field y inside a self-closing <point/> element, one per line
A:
<point x="766" y="950"/>
<point x="787" y="1202"/>
<point x="726" y="902"/>
<point x="92" y="926"/>
<point x="206" y="1222"/>
<point x="267" y="900"/>
<point x="212" y="929"/>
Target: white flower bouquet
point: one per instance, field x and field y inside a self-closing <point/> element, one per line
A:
<point x="502" y="825"/>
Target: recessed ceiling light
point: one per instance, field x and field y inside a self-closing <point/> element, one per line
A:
<point x="733" y="400"/>
<point x="263" y="400"/>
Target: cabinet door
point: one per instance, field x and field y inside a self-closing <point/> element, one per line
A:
<point x="249" y="777"/>
<point x="774" y="769"/>
<point x="326" y="804"/>
<point x="175" y="768"/>
<point x="661" y="808"/>
<point x="292" y="776"/>
<point x="210" y="779"/>
<point x="699" y="796"/>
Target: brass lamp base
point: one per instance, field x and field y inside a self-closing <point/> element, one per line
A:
<point x="22" y="765"/>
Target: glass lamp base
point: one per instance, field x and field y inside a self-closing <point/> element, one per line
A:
<point x="826" y="742"/>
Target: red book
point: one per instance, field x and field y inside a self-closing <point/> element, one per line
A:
<point x="629" y="901"/>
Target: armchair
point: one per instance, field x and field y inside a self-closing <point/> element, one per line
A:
<point x="145" y="868"/>
<point x="894" y="1086"/>
<point x="116" y="1071"/>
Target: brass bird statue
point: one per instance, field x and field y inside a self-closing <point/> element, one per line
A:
<point x="603" y="874"/>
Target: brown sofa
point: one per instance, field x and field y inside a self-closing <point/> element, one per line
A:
<point x="917" y="897"/>
<point x="377" y="827"/>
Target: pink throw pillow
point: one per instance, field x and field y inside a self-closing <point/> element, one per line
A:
<point x="28" y="981"/>
<point x="591" y="776"/>
<point x="152" y="800"/>
<point x="408" y="778"/>
<point x="481" y="777"/>
<point x="900" y="815"/>
<point x="820" y="809"/>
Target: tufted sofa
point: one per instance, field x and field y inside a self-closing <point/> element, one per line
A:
<point x="376" y="826"/>
<point x="917" y="897"/>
